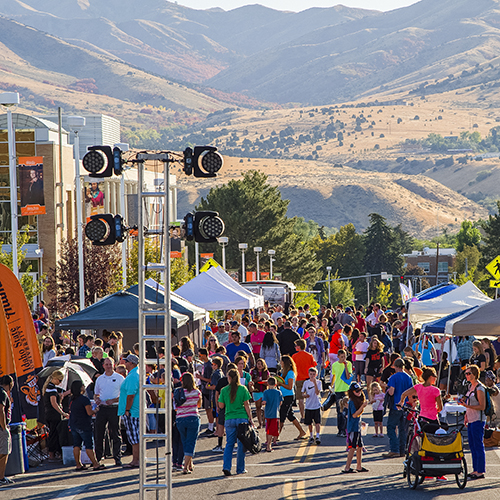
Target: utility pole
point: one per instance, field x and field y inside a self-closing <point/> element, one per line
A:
<point x="437" y="263"/>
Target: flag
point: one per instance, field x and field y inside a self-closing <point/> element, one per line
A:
<point x="405" y="293"/>
<point x="24" y="344"/>
<point x="410" y="289"/>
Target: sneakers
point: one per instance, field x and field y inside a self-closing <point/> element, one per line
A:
<point x="442" y="478"/>
<point x="318" y="440"/>
<point x="226" y="472"/>
<point x="341" y="434"/>
<point x="177" y="467"/>
<point x="218" y="449"/>
<point x="207" y="433"/>
<point x="6" y="481"/>
<point x="390" y="454"/>
<point x="311" y="440"/>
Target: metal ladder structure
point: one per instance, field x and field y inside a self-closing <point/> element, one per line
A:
<point x="155" y="470"/>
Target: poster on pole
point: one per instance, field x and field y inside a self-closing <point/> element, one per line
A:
<point x="93" y="196"/>
<point x="31" y="185"/>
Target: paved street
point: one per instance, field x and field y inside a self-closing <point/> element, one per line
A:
<point x="294" y="471"/>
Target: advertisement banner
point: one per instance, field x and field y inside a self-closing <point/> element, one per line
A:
<point x="31" y="185"/>
<point x="25" y="350"/>
<point x="251" y="276"/>
<point x="93" y="196"/>
<point x="264" y="276"/>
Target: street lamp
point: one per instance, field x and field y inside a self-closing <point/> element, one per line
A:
<point x="257" y="251"/>
<point x="271" y="253"/>
<point x="223" y="241"/>
<point x="329" y="269"/>
<point x="243" y="247"/>
<point x="9" y="99"/>
<point x="75" y="124"/>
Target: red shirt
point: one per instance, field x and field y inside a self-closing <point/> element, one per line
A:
<point x="303" y="360"/>
<point x="360" y="324"/>
<point x="337" y="342"/>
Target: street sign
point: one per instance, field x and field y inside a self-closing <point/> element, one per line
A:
<point x="208" y="264"/>
<point x="389" y="277"/>
<point x="494" y="268"/>
<point x="494" y="283"/>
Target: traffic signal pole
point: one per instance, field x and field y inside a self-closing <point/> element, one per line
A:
<point x="79" y="222"/>
<point x="155" y="472"/>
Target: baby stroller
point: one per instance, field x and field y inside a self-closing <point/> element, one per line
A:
<point x="438" y="455"/>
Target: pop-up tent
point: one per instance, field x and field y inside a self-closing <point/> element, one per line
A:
<point x="215" y="290"/>
<point x="435" y="291"/>
<point x="466" y="296"/>
<point x="480" y="322"/>
<point x="197" y="315"/>
<point x="119" y="311"/>
<point x="439" y="325"/>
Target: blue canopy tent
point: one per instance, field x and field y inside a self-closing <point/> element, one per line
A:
<point x="438" y="326"/>
<point x="119" y="311"/>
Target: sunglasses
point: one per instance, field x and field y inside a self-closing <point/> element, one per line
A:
<point x="468" y="373"/>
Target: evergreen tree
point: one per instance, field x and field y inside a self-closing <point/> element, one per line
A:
<point x="382" y="252"/>
<point x="491" y="239"/>
<point x="403" y="240"/>
<point x="467" y="236"/>
<point x="254" y="213"/>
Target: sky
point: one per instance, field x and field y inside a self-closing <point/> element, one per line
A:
<point x="298" y="5"/>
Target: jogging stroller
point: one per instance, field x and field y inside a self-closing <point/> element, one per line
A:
<point x="439" y="455"/>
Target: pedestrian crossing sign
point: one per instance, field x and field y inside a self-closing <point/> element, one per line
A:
<point x="494" y="268"/>
<point x="494" y="283"/>
<point x="208" y="264"/>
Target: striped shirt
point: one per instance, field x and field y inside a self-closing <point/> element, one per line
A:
<point x="190" y="407"/>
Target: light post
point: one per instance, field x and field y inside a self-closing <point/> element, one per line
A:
<point x="243" y="247"/>
<point x="75" y="124"/>
<point x="271" y="254"/>
<point x="9" y="99"/>
<point x="223" y="241"/>
<point x="124" y="147"/>
<point x="257" y="251"/>
<point x="329" y="269"/>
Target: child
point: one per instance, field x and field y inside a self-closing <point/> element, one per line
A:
<point x="311" y="392"/>
<point x="271" y="399"/>
<point x="377" y="400"/>
<point x="342" y="416"/>
<point x="357" y="405"/>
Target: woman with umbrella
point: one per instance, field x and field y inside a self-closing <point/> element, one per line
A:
<point x="52" y="395"/>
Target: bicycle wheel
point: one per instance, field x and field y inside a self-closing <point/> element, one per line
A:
<point x="413" y="472"/>
<point x="462" y="478"/>
<point x="409" y="441"/>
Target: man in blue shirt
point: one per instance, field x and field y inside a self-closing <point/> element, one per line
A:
<point x="236" y="345"/>
<point x="128" y="407"/>
<point x="398" y="383"/>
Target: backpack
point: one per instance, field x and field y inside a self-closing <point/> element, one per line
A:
<point x="249" y="438"/>
<point x="179" y="397"/>
<point x="489" y="410"/>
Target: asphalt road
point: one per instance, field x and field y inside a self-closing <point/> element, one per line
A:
<point x="294" y="471"/>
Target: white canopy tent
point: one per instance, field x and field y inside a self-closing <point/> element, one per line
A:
<point x="468" y="295"/>
<point x="481" y="322"/>
<point x="215" y="290"/>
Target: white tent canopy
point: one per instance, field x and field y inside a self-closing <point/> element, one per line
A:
<point x="481" y="322"/>
<point x="215" y="290"/>
<point x="468" y="295"/>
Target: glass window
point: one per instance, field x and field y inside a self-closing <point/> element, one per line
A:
<point x="442" y="267"/>
<point x="425" y="266"/>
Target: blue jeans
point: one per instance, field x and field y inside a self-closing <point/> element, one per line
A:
<point x="475" y="432"/>
<point x="397" y="442"/>
<point x="188" y="428"/>
<point x="231" y="437"/>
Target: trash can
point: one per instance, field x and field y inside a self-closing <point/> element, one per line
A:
<point x="15" y="462"/>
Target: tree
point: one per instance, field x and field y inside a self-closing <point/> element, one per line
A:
<point x="341" y="292"/>
<point x="180" y="273"/>
<point x="382" y="252"/>
<point x="300" y="299"/>
<point x="102" y="275"/>
<point x="491" y="228"/>
<point x="152" y="253"/>
<point x="254" y="213"/>
<point x="403" y="240"/>
<point x="30" y="286"/>
<point x="467" y="236"/>
<point x="472" y="254"/>
<point x="384" y="294"/>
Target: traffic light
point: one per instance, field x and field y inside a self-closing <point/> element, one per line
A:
<point x="102" y="161"/>
<point x="203" y="227"/>
<point x="204" y="161"/>
<point x="401" y="279"/>
<point x="106" y="229"/>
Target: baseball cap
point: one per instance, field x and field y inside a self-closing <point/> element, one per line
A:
<point x="348" y="310"/>
<point x="355" y="387"/>
<point x="337" y="327"/>
<point x="234" y="323"/>
<point x="132" y="358"/>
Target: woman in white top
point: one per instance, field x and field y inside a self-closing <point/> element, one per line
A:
<point x="270" y="352"/>
<point x="48" y="350"/>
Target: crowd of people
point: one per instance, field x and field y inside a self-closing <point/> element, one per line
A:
<point x="255" y="366"/>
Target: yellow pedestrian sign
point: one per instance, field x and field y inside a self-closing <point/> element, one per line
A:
<point x="208" y="264"/>
<point x="494" y="268"/>
<point x="494" y="283"/>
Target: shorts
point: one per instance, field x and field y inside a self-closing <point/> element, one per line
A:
<point x="207" y="402"/>
<point x="373" y="373"/>
<point x="359" y="367"/>
<point x="221" y="416"/>
<point x="298" y="389"/>
<point x="286" y="410"/>
<point x="5" y="442"/>
<point x="272" y="427"/>
<point x="378" y="415"/>
<point x="85" y="437"/>
<point x="354" y="440"/>
<point x="257" y="396"/>
<point x="312" y="416"/>
<point x="132" y="427"/>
